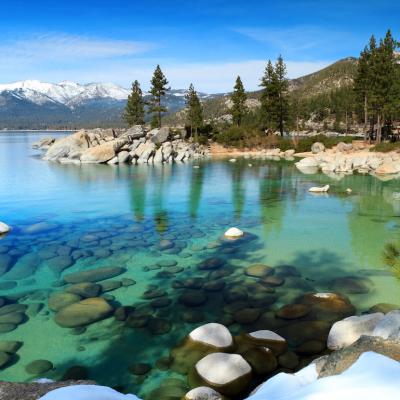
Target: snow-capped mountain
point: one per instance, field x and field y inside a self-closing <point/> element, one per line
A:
<point x="67" y="93"/>
<point x="35" y="104"/>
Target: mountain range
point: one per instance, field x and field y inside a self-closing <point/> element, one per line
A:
<point x="33" y="104"/>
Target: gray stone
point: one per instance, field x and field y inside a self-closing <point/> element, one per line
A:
<point x="317" y="147"/>
<point x="159" y="136"/>
<point x="63" y="147"/>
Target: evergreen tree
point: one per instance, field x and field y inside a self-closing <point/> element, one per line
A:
<point x="194" y="110"/>
<point x="158" y="90"/>
<point x="281" y="103"/>
<point x="267" y="96"/>
<point x="239" y="97"/>
<point x="383" y="75"/>
<point x="134" y="110"/>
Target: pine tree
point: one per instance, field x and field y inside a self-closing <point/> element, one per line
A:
<point x="134" y="110"/>
<point x="158" y="90"/>
<point x="383" y="75"/>
<point x="281" y="102"/>
<point x="194" y="111"/>
<point x="267" y="96"/>
<point x="239" y="97"/>
<point x="362" y="81"/>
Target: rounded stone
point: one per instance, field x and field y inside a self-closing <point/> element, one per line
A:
<point x="229" y="374"/>
<point x="38" y="367"/>
<point x="192" y="298"/>
<point x="159" y="326"/>
<point x="10" y="346"/>
<point x="5" y="358"/>
<point x="203" y="393"/>
<point x="153" y="293"/>
<point x="351" y="285"/>
<point x="76" y="373"/>
<point x="383" y="308"/>
<point x="161" y="302"/>
<point x="288" y="360"/>
<point x="192" y="316"/>
<point x="57" y="301"/>
<point x="167" y="263"/>
<point x="83" y="313"/>
<point x="273" y="280"/>
<point x="85" y="289"/>
<point x="247" y="315"/>
<point x="233" y="233"/>
<point x="261" y="359"/>
<point x="270" y="339"/>
<point x="293" y="311"/>
<point x="140" y="369"/>
<point x="259" y="270"/>
<point x="128" y="282"/>
<point x="311" y="347"/>
<point x="214" y="286"/>
<point x="211" y="263"/>
<point x="212" y="334"/>
<point x="4" y="228"/>
<point x="94" y="275"/>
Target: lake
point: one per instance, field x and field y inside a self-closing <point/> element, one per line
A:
<point x="161" y="224"/>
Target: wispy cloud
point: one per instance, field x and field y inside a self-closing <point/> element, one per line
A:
<point x="60" y="47"/>
<point x="297" y="40"/>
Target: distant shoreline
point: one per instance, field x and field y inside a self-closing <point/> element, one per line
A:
<point x="37" y="130"/>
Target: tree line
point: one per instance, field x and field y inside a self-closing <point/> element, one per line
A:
<point x="373" y="98"/>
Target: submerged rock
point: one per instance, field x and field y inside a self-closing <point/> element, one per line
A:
<point x="203" y="393"/>
<point x="268" y="339"/>
<point x="233" y="233"/>
<point x="57" y="301"/>
<point x="94" y="275"/>
<point x="38" y="367"/>
<point x="212" y="334"/>
<point x="230" y="374"/>
<point x="84" y="312"/>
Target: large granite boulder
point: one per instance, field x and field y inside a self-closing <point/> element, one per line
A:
<point x="270" y="339"/>
<point x="229" y="374"/>
<point x="203" y="393"/>
<point x="44" y="143"/>
<point x="102" y="153"/>
<point x="212" y="334"/>
<point x="159" y="136"/>
<point x="389" y="326"/>
<point x="345" y="332"/>
<point x="83" y="313"/>
<point x="343" y="147"/>
<point x="388" y="168"/>
<point x="135" y="132"/>
<point x="77" y="142"/>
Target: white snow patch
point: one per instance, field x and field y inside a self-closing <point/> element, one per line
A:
<point x="87" y="392"/>
<point x="372" y="376"/>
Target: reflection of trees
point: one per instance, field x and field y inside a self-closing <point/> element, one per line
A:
<point x="238" y="190"/>
<point x="160" y="178"/>
<point x="138" y="180"/>
<point x="373" y="209"/>
<point x="195" y="191"/>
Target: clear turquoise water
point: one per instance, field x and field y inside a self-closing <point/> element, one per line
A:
<point x="130" y="209"/>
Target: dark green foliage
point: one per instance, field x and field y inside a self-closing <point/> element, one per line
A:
<point x="158" y="90"/>
<point x="386" y="147"/>
<point x="134" y="110"/>
<point x="194" y="112"/>
<point x="238" y="97"/>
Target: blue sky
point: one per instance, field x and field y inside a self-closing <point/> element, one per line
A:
<point x="205" y="42"/>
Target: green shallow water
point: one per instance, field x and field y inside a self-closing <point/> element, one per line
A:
<point x="119" y="215"/>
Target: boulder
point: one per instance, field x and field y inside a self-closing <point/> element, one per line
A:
<point x="135" y="132"/>
<point x="258" y="270"/>
<point x="38" y="367"/>
<point x="158" y="157"/>
<point x="345" y="332"/>
<point x="44" y="143"/>
<point x="317" y="147"/>
<point x="233" y="233"/>
<point x="147" y="150"/>
<point x="268" y="339"/>
<point x="4" y="228"/>
<point x="159" y="136"/>
<point x="388" y="168"/>
<point x="203" y="393"/>
<point x="212" y="334"/>
<point x="343" y="147"/>
<point x="77" y="142"/>
<point x="85" y="289"/>
<point x="6" y="262"/>
<point x="307" y="162"/>
<point x="229" y="374"/>
<point x="123" y="157"/>
<point x="319" y="189"/>
<point x="103" y="152"/>
<point x="94" y="275"/>
<point x="57" y="301"/>
<point x="83" y="313"/>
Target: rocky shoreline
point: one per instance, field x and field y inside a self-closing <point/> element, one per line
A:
<point x="133" y="146"/>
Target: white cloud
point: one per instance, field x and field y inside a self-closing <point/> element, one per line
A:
<point x="66" y="48"/>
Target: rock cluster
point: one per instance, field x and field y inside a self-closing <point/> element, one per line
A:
<point x="133" y="146"/>
<point x="344" y="159"/>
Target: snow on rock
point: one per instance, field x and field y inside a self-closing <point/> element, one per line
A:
<point x="345" y="332"/>
<point x="4" y="228"/>
<point x="87" y="392"/>
<point x="212" y="334"/>
<point x="371" y="377"/>
<point x="389" y="326"/>
<point x="203" y="393"/>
